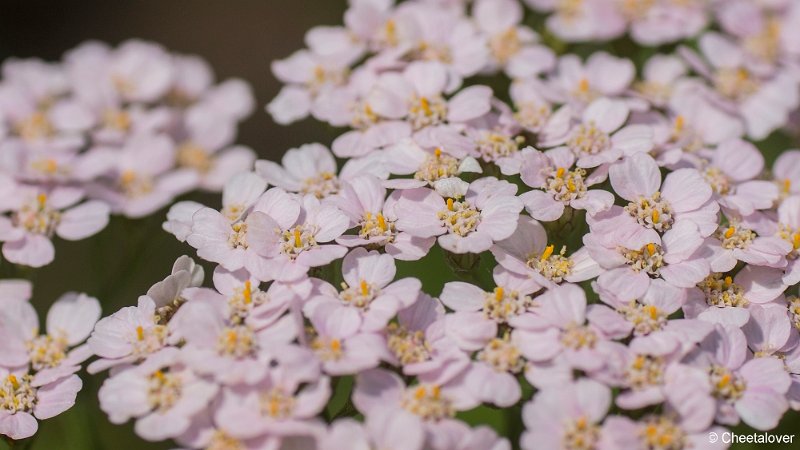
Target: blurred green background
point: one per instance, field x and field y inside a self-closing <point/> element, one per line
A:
<point x="239" y="38"/>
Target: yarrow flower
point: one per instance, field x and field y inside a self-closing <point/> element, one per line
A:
<point x="615" y="262"/>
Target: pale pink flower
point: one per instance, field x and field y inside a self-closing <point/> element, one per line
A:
<point x="731" y="173"/>
<point x="417" y="95"/>
<point x="762" y="101"/>
<point x="720" y="298"/>
<point x="364" y="201"/>
<point x="369" y="296"/>
<point x="58" y="352"/>
<point x="295" y="234"/>
<point x="239" y="194"/>
<point x="141" y="178"/>
<point x="379" y="391"/>
<point x="221" y="345"/>
<point x="736" y="242"/>
<point x="601" y="136"/>
<point x="512" y="46"/>
<point x="127" y="336"/>
<point x="390" y="430"/>
<point x="162" y="395"/>
<point x="579" y="83"/>
<point x="623" y="432"/>
<point x="786" y="172"/>
<point x="655" y="211"/>
<point x="205" y="146"/>
<point x="38" y="213"/>
<point x="27" y="403"/>
<point x="472" y="218"/>
<point x="585" y="21"/>
<point x="562" y="329"/>
<point x="427" y="165"/>
<point x="285" y="404"/>
<point x="562" y="417"/>
<point x="769" y="331"/>
<point x="526" y="252"/>
<point x="311" y="169"/>
<point x="340" y="346"/>
<point x="420" y="345"/>
<point x="647" y="319"/>
<point x="753" y="390"/>
<point x="561" y="185"/>
<point x="662" y="22"/>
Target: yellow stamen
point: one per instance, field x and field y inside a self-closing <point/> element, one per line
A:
<point x="679" y="123"/>
<point x="436" y="391"/>
<point x="724" y="381"/>
<point x="42" y="199"/>
<point x="364" y="287"/>
<point x="498" y="293"/>
<point x="140" y="333"/>
<point x="728" y="281"/>
<point x="652" y="311"/>
<point x="796" y="241"/>
<point x="248" y="292"/>
<point x="571" y="185"/>
<point x="158" y="374"/>
<point x="560" y="172"/>
<point x="381" y="222"/>
<point x="450" y="204"/>
<point x="420" y="393"/>
<point x="651" y="249"/>
<point x="426" y="106"/>
<point x="437" y="152"/>
<point x="336" y="345"/>
<point x="583" y="85"/>
<point x="13" y="380"/>
<point x="655" y="216"/>
<point x="298" y="242"/>
<point x="729" y="232"/>
<point x="787" y="185"/>
<point x="547" y="252"/>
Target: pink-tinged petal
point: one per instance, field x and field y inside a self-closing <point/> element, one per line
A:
<point x="377" y="388"/>
<point x="18" y="426"/>
<point x="635" y="176"/>
<point x="681" y="241"/>
<point x="685" y="190"/>
<point x="762" y="409"/>
<point x="498" y="388"/>
<point x="611" y="323"/>
<point x="73" y="316"/>
<point x="594" y="201"/>
<point x="766" y="373"/>
<point x="83" y="220"/>
<point x="732" y="316"/>
<point x="584" y="267"/>
<point x="738" y="159"/>
<point x="623" y="283"/>
<point x="282" y="207"/>
<point x="607" y="114"/>
<point x="563" y="305"/>
<point x="687" y="273"/>
<point x="460" y="296"/>
<point x="769" y="327"/>
<point x="290" y="105"/>
<point x="32" y="250"/>
<point x="470" y="330"/>
<point x="687" y="390"/>
<point x="56" y="398"/>
<point x="542" y="206"/>
<point x="760" y="284"/>
<point x="538" y="345"/>
<point x="633" y="139"/>
<point x="469" y="104"/>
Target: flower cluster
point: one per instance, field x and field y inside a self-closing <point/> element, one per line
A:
<point x="38" y="371"/>
<point x="109" y="130"/>
<point x="639" y="252"/>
